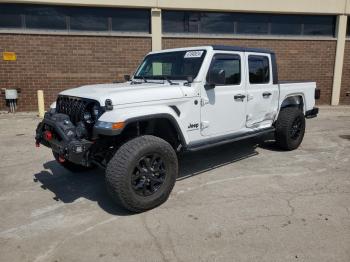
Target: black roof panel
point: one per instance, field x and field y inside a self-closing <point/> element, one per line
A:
<point x="241" y="49"/>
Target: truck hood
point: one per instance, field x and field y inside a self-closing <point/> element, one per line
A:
<point x="124" y="93"/>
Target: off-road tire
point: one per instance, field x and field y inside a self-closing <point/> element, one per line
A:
<point x="286" y="122"/>
<point x="121" y="169"/>
<point x="75" y="168"/>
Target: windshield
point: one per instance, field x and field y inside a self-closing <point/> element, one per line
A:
<point x="172" y="65"/>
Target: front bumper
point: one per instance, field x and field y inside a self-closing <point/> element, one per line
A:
<point x="64" y="140"/>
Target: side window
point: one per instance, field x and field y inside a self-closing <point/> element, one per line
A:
<point x="259" y="69"/>
<point x="232" y="67"/>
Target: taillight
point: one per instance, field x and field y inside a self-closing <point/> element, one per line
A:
<point x="48" y="135"/>
<point x="317" y="93"/>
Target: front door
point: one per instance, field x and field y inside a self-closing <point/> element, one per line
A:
<point x="223" y="108"/>
<point x="262" y="94"/>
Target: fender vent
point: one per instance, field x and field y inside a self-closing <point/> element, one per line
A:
<point x="177" y="111"/>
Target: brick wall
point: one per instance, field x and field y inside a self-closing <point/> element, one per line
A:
<point x="55" y="63"/>
<point x="345" y="84"/>
<point x="297" y="60"/>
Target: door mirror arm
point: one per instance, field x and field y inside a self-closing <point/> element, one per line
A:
<point x="209" y="86"/>
<point x="127" y="77"/>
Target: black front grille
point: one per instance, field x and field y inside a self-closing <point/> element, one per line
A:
<point x="74" y="107"/>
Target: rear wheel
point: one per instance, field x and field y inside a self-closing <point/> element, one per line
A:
<point x="142" y="173"/>
<point x="290" y="128"/>
<point x="70" y="165"/>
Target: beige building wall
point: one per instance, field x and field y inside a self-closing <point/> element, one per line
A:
<point x="156" y="29"/>
<point x="341" y="8"/>
<point x="339" y="58"/>
<point x="278" y="6"/>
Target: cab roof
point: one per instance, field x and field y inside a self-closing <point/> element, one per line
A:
<point x="241" y="49"/>
<point x="218" y="47"/>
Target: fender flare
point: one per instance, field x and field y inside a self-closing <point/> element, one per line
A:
<point x="169" y="117"/>
<point x="294" y="100"/>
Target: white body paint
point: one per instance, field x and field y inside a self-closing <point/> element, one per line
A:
<point x="216" y="112"/>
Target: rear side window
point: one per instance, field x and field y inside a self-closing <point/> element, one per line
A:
<point x="232" y="67"/>
<point x="259" y="69"/>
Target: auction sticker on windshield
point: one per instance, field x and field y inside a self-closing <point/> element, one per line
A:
<point x="193" y="54"/>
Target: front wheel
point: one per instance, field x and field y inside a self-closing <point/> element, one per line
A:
<point x="290" y="128"/>
<point x="142" y="173"/>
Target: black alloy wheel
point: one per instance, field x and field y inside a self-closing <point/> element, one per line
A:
<point x="296" y="129"/>
<point x="149" y="175"/>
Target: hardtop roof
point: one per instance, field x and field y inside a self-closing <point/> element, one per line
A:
<point x="242" y="49"/>
<point x="218" y="47"/>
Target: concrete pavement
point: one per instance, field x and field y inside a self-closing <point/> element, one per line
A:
<point x="238" y="202"/>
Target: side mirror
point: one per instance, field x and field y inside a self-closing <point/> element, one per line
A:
<point x="215" y="77"/>
<point x="127" y="77"/>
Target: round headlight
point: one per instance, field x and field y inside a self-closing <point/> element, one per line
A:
<point x="95" y="111"/>
<point x="87" y="116"/>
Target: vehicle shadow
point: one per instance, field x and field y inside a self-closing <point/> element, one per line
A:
<point x="68" y="187"/>
<point x="195" y="163"/>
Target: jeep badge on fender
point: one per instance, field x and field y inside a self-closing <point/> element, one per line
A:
<point x="193" y="126"/>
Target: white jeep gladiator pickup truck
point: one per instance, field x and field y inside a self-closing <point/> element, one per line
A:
<point x="178" y="100"/>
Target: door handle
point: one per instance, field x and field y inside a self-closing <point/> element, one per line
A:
<point x="266" y="94"/>
<point x="239" y="97"/>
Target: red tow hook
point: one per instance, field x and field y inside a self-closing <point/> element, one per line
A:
<point x="61" y="159"/>
<point x="48" y="135"/>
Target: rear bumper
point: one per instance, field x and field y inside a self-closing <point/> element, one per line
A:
<point x="67" y="146"/>
<point x="312" y="113"/>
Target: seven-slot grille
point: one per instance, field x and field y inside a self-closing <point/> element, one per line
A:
<point x="74" y="107"/>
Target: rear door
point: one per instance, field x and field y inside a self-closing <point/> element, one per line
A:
<point x="223" y="108"/>
<point x="262" y="94"/>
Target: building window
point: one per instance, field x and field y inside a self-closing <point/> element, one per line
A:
<point x="220" y="23"/>
<point x="319" y="25"/>
<point x="286" y="25"/>
<point x="173" y="22"/>
<point x="131" y="20"/>
<point x="259" y="69"/>
<point x="88" y="19"/>
<point x="252" y="24"/>
<point x="43" y="17"/>
<point x="10" y="17"/>
<point x="348" y="27"/>
<point x="247" y="24"/>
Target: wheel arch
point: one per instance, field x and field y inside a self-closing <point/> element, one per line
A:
<point x="163" y="125"/>
<point x="294" y="100"/>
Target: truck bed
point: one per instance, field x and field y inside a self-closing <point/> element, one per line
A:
<point x="303" y="88"/>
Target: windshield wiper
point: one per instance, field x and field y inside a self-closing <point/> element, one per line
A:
<point x="146" y="80"/>
<point x="168" y="80"/>
<point x="136" y="82"/>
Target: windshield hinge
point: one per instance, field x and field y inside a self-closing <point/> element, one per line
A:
<point x="204" y="124"/>
<point x="204" y="101"/>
